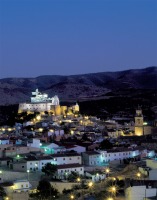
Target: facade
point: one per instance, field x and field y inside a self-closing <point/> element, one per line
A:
<point x="21" y="185"/>
<point x="139" y="192"/>
<point x="112" y="155"/>
<point x="102" y="157"/>
<point x="91" y="158"/>
<point x="64" y="170"/>
<point x="95" y="176"/>
<point x="152" y="163"/>
<point x="35" y="163"/>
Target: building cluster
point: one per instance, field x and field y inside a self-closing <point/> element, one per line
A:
<point x="86" y="145"/>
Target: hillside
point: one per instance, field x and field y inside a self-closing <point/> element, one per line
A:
<point x="78" y="87"/>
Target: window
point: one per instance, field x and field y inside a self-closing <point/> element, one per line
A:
<point x="27" y="185"/>
<point x="23" y="166"/>
<point x="63" y="158"/>
<point x="69" y="158"/>
<point x="78" y="158"/>
<point x="42" y="163"/>
<point x="81" y="169"/>
<point x="22" y="186"/>
<point x="30" y="163"/>
<point x="75" y="169"/>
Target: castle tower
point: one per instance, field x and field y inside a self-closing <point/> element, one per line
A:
<point x="139" y="131"/>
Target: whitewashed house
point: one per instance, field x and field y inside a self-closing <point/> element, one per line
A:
<point x="64" y="170"/>
<point x="91" y="158"/>
<point x="139" y="192"/>
<point x="21" y="185"/>
<point x="35" y="163"/>
<point x="95" y="176"/>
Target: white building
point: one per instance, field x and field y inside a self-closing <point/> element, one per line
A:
<point x="4" y="141"/>
<point x="95" y="176"/>
<point x="117" y="154"/>
<point x="65" y="158"/>
<point x="91" y="158"/>
<point x="102" y="157"/>
<point x="152" y="163"/>
<point x="35" y="143"/>
<point x="64" y="170"/>
<point x="139" y="192"/>
<point x="21" y="185"/>
<point x="35" y="163"/>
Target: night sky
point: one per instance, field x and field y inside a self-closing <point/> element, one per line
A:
<point x="63" y="37"/>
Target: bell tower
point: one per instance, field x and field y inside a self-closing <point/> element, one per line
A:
<point x="139" y="123"/>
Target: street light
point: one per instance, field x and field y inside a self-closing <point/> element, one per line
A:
<point x="90" y="184"/>
<point x="72" y="196"/>
<point x="138" y="175"/>
<point x="113" y="190"/>
<point x="28" y="174"/>
<point x="107" y="171"/>
<point x="110" y="198"/>
<point x="78" y="179"/>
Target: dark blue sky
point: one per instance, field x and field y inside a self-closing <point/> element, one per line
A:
<point x="78" y="36"/>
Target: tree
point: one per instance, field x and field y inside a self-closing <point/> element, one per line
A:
<point x="106" y="144"/>
<point x="2" y="192"/>
<point x="45" y="191"/>
<point x="73" y="176"/>
<point x="49" y="169"/>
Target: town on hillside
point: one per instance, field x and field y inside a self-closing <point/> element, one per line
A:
<point x="55" y="151"/>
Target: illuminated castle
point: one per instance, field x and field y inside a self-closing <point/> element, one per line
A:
<point x="41" y="102"/>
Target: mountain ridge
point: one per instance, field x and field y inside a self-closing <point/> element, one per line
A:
<point x="76" y="87"/>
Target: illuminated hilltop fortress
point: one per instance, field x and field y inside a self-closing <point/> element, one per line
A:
<point x="41" y="103"/>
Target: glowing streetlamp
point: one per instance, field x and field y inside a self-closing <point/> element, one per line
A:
<point x="113" y="189"/>
<point x="72" y="196"/>
<point x="138" y="175"/>
<point x="78" y="179"/>
<point x="110" y="198"/>
<point x="90" y="184"/>
<point x="38" y="117"/>
<point x="107" y="171"/>
<point x="114" y="178"/>
<point x="28" y="174"/>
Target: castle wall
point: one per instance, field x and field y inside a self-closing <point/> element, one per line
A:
<point x="139" y="131"/>
<point x="38" y="107"/>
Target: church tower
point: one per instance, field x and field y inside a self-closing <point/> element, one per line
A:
<point x="139" y="123"/>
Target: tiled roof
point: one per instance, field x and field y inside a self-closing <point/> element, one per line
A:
<point x="66" y="166"/>
<point x="92" y="153"/>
